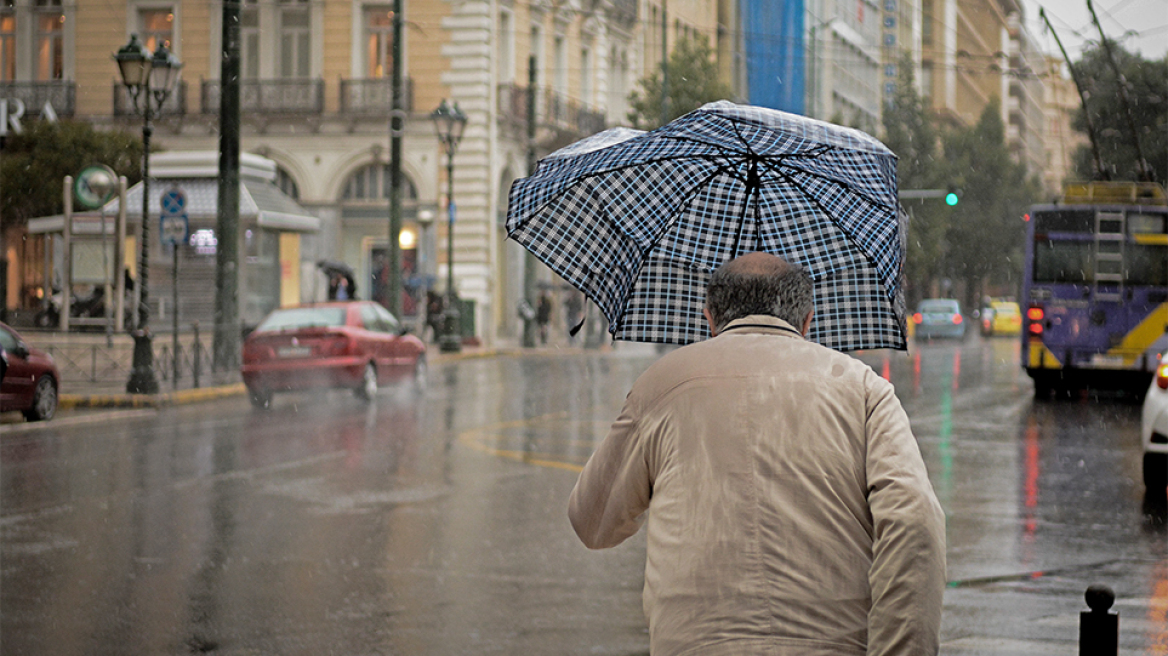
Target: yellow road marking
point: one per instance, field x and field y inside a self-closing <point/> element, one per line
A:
<point x="477" y="439"/>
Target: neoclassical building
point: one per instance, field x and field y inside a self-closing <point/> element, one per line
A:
<point x="315" y="100"/>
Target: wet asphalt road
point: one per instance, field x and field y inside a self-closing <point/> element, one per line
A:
<point x="436" y="525"/>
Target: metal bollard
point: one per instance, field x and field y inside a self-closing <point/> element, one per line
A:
<point x="196" y="356"/>
<point x="1099" y="627"/>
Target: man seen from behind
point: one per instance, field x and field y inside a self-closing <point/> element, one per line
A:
<point x="789" y="510"/>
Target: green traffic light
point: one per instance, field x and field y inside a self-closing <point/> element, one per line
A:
<point x="951" y="199"/>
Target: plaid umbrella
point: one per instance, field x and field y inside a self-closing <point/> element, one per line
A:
<point x="639" y="220"/>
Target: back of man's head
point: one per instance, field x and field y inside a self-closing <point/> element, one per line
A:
<point x="759" y="283"/>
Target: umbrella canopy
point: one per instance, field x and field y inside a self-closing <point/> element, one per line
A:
<point x="639" y="220"/>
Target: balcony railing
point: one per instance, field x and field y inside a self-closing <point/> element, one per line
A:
<point x="551" y="110"/>
<point x="291" y="96"/>
<point x="175" y="105"/>
<point x="372" y="96"/>
<point x="60" y="94"/>
<point x="565" y="113"/>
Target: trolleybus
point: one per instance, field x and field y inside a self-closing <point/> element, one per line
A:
<point x="1095" y="288"/>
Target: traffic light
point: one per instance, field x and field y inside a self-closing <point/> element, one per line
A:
<point x="953" y="195"/>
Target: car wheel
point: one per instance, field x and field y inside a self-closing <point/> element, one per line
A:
<point x="1156" y="474"/>
<point x="368" y="388"/>
<point x="44" y="400"/>
<point x="260" y="398"/>
<point x="421" y="373"/>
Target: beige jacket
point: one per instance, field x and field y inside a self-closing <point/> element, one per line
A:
<point x="791" y="512"/>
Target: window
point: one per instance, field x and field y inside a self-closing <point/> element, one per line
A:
<point x="560" y="50"/>
<point x="586" y="75"/>
<point x="1063" y="261"/>
<point x="378" y="42"/>
<point x="7" y="42"/>
<point x="890" y="70"/>
<point x="295" y="39"/>
<point x="372" y="183"/>
<point x="286" y="183"/>
<point x="927" y="22"/>
<point x="537" y="51"/>
<point x="249" y="41"/>
<point x="506" y="46"/>
<point x="50" y="41"/>
<point x="156" y="28"/>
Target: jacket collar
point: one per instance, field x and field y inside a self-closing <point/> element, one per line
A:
<point x="761" y="324"/>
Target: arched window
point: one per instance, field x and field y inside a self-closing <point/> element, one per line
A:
<point x="286" y="183"/>
<point x="372" y="183"/>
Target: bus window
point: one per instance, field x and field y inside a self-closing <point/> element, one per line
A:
<point x="1064" y="221"/>
<point x="1147" y="265"/>
<point x="1145" y="224"/>
<point x="1062" y="261"/>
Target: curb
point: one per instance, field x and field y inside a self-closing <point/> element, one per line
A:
<point x="71" y="401"/>
<point x="181" y="397"/>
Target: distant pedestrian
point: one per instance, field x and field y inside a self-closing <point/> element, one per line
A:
<point x="543" y="315"/>
<point x="788" y="506"/>
<point x="434" y="310"/>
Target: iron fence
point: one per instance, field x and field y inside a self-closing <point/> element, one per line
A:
<point x="100" y="361"/>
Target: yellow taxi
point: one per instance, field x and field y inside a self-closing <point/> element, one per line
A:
<point x="1001" y="318"/>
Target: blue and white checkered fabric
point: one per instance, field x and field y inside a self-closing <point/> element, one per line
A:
<point x="639" y="220"/>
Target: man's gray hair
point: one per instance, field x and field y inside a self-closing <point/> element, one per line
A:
<point x="758" y="283"/>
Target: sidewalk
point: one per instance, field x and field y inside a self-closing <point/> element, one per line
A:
<point x="94" y="370"/>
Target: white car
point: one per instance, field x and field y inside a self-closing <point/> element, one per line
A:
<point x="1155" y="432"/>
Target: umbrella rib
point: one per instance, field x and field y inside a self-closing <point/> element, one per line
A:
<point x="828" y="214"/>
<point x="859" y="194"/>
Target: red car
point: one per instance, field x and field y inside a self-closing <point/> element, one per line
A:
<point x="31" y="379"/>
<point x="357" y="345"/>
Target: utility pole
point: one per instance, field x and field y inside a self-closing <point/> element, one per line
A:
<point x="529" y="281"/>
<point x="396" y="125"/>
<point x="664" y="63"/>
<point x="227" y="328"/>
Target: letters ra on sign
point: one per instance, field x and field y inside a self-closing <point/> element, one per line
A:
<point x="12" y="110"/>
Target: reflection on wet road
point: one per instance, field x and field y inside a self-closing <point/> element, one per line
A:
<point x="437" y="525"/>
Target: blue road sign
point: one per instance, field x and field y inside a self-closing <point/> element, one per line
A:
<point x="174" y="202"/>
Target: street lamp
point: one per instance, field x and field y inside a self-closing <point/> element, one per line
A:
<point x="150" y="77"/>
<point x="449" y="122"/>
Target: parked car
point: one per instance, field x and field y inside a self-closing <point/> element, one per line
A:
<point x="357" y="345"/>
<point x="1154" y="431"/>
<point x="31" y="380"/>
<point x="938" y="317"/>
<point x="1001" y="318"/>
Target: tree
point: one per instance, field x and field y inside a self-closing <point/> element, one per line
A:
<point x="693" y="82"/>
<point x="909" y="132"/>
<point x="1148" y="98"/>
<point x="986" y="233"/>
<point x="36" y="162"/>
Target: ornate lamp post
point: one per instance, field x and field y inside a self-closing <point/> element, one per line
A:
<point x="150" y="77"/>
<point x="449" y="122"/>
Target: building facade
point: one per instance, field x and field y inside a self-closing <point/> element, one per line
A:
<point x="315" y="98"/>
<point x="845" y="62"/>
<point x="1060" y="140"/>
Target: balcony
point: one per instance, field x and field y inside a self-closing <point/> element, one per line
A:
<point x="175" y="105"/>
<point x="60" y="94"/>
<point x="372" y="96"/>
<point x="283" y="96"/>
<point x="552" y="110"/>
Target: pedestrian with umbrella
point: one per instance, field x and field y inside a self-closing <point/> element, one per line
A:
<point x="789" y="509"/>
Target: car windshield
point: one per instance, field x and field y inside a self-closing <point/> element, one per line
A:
<point x="1005" y="308"/>
<point x="291" y="319"/>
<point x="948" y="307"/>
